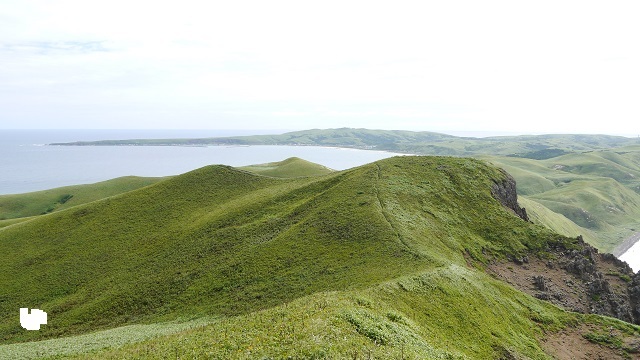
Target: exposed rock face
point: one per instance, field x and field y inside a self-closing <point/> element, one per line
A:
<point x="505" y="192"/>
<point x="634" y="294"/>
<point x="595" y="270"/>
<point x="578" y="279"/>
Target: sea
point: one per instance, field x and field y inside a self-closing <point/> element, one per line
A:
<point x="28" y="163"/>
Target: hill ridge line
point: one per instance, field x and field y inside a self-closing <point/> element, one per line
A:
<point x="266" y="244"/>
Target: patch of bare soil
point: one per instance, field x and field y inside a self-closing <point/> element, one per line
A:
<point x="545" y="281"/>
<point x="580" y="280"/>
<point x="572" y="343"/>
<point x="583" y="281"/>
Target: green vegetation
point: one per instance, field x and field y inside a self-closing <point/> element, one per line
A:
<point x="611" y="333"/>
<point x="542" y="154"/>
<point x="380" y="261"/>
<point x="292" y="167"/>
<point x="96" y="341"/>
<point x="359" y="138"/>
<point x="540" y="214"/>
<point x="606" y="339"/>
<point x="47" y="201"/>
<point x="8" y="222"/>
<point x="15" y="208"/>
<point x="598" y="191"/>
<point x="371" y="261"/>
<point x="542" y="165"/>
<point x="431" y="316"/>
<point x="427" y="143"/>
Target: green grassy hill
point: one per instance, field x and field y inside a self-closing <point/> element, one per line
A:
<point x="292" y="167"/>
<point x="542" y="215"/>
<point x="374" y="260"/>
<point x="598" y="191"/>
<point x="426" y="143"/>
<point x="540" y="164"/>
<point x="47" y="201"/>
<point x="26" y="205"/>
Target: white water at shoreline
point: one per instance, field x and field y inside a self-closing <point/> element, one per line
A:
<point x="632" y="257"/>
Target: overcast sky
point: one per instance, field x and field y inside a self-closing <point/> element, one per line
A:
<point x="508" y="66"/>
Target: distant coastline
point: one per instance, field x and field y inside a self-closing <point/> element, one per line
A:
<point x="29" y="166"/>
<point x="172" y="151"/>
<point x="538" y="147"/>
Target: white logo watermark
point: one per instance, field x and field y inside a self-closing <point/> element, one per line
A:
<point x="34" y="320"/>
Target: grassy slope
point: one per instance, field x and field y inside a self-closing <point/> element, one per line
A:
<point x="42" y="202"/>
<point x="397" y="319"/>
<point x="292" y="167"/>
<point x="542" y="215"/>
<point x="212" y="233"/>
<point x="589" y="158"/>
<point x="598" y="191"/>
<point x="18" y="207"/>
<point x="426" y="316"/>
<point x="389" y="237"/>
<point x="5" y="223"/>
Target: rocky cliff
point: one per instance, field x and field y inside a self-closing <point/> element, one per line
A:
<point x="505" y="192"/>
<point x="576" y="278"/>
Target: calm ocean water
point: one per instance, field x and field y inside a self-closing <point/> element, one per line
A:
<point x="28" y="164"/>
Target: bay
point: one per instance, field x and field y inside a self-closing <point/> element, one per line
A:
<point x="28" y="164"/>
